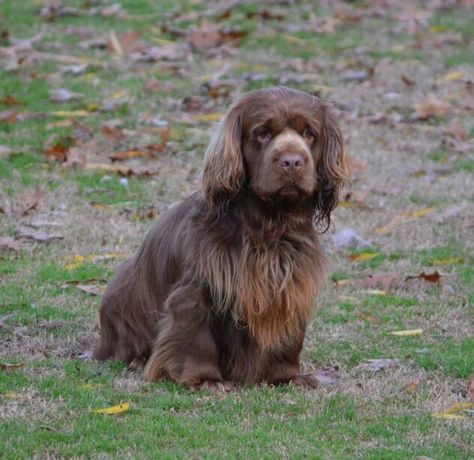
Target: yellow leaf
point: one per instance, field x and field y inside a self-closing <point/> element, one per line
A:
<point x="448" y="416"/>
<point x="449" y="261"/>
<point x="101" y="207"/>
<point x="89" y="386"/>
<point x="407" y="333"/>
<point x="210" y="117"/>
<point x="71" y="113"/>
<point x="161" y="41"/>
<point x="451" y="76"/>
<point x="383" y="230"/>
<point x="458" y="407"/>
<point x="422" y="212"/>
<point x="59" y="124"/>
<point x="77" y="261"/>
<point x="13" y="395"/>
<point x="113" y="410"/>
<point x="363" y="256"/>
<point x="376" y="292"/>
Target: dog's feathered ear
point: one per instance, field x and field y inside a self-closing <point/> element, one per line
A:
<point x="224" y="171"/>
<point x="332" y="167"/>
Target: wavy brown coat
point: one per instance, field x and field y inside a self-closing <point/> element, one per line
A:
<point x="223" y="286"/>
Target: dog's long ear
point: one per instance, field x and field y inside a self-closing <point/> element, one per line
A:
<point x="224" y="171"/>
<point x="332" y="167"/>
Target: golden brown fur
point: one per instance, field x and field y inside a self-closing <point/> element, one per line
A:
<point x="224" y="284"/>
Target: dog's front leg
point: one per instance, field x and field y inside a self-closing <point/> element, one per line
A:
<point x="185" y="350"/>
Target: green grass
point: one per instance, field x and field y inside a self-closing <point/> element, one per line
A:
<point x="46" y="322"/>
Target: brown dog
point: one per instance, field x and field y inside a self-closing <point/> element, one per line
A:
<point x="223" y="286"/>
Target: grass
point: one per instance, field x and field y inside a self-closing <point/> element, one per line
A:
<point x="47" y="392"/>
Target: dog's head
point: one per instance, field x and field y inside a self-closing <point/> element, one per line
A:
<point x="282" y="145"/>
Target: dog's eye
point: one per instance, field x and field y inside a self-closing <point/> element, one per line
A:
<point x="264" y="136"/>
<point x="309" y="135"/>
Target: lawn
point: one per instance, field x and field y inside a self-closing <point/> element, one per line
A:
<point x="106" y="109"/>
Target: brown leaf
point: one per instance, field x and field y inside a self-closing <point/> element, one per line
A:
<point x="57" y="148"/>
<point x="93" y="289"/>
<point x="355" y="198"/>
<point x="31" y="200"/>
<point x="376" y="365"/>
<point x="431" y="107"/>
<point x="471" y="390"/>
<point x="127" y="171"/>
<point x="37" y="235"/>
<point x="5" y="151"/>
<point x="447" y="214"/>
<point x="63" y="95"/>
<point x="434" y="277"/>
<point x="380" y="280"/>
<point x="51" y="324"/>
<point x="407" y="81"/>
<point x="369" y="317"/>
<point x="208" y="37"/>
<point x="357" y="167"/>
<point x="9" y="367"/>
<point x="412" y="386"/>
<point x="9" y="244"/>
<point x="326" y="376"/>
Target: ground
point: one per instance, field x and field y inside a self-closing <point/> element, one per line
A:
<point x="105" y="112"/>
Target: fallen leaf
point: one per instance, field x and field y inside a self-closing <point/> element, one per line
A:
<point x="434" y="277"/>
<point x="454" y="412"/>
<point x="376" y="292"/>
<point x="471" y="390"/>
<point x="448" y="213"/>
<point x="383" y="280"/>
<point x="376" y="365"/>
<point x="407" y="333"/>
<point x="51" y="324"/>
<point x="431" y="107"/>
<point x="9" y="366"/>
<point x="31" y="200"/>
<point x="348" y="237"/>
<point x="422" y="212"/>
<point x="209" y="117"/>
<point x="354" y="75"/>
<point x="448" y="261"/>
<point x="412" y="387"/>
<point x="369" y="317"/>
<point x="79" y="260"/>
<point x="122" y="170"/>
<point x="451" y="76"/>
<point x="356" y="167"/>
<point x="8" y="243"/>
<point x="404" y="217"/>
<point x="355" y="198"/>
<point x="5" y="151"/>
<point x="326" y="376"/>
<point x="113" y="410"/>
<point x="362" y="256"/>
<point x="93" y="289"/>
<point x="101" y="207"/>
<point x="86" y="355"/>
<point x="63" y="95"/>
<point x="449" y="416"/>
<point x="37" y="235"/>
<point x="71" y="113"/>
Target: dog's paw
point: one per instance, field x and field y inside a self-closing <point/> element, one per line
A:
<point x="214" y="386"/>
<point x="305" y="381"/>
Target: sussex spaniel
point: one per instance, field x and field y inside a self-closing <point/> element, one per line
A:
<point x="223" y="286"/>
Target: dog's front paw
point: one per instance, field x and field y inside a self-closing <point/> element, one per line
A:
<point x="305" y="381"/>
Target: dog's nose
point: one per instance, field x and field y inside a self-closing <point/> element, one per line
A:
<point x="291" y="162"/>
